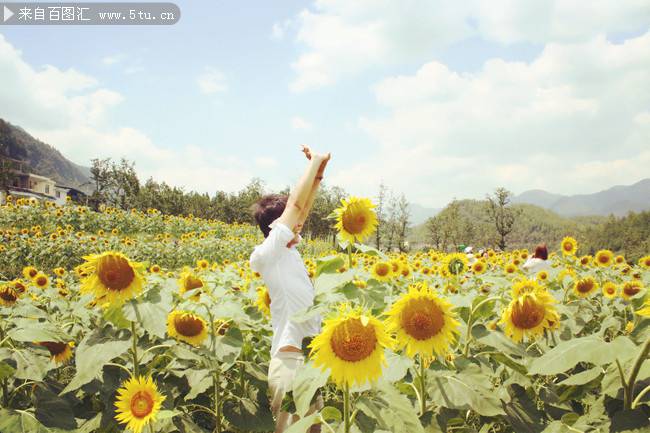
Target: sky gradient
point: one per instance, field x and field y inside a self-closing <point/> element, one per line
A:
<point x="437" y="99"/>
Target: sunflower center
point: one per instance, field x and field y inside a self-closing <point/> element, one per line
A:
<point x="353" y="342"/>
<point x="55" y="347"/>
<point x="382" y="269"/>
<point x="603" y="259"/>
<point x="354" y="222"/>
<point x="32" y="273"/>
<point x="631" y="289"/>
<point x="527" y="314"/>
<point x="41" y="281"/>
<point x="192" y="283"/>
<point x="141" y="404"/>
<point x="115" y="273"/>
<point x="422" y="319"/>
<point x="188" y="325"/>
<point x="585" y="286"/>
<point x="8" y="294"/>
<point x="568" y="246"/>
<point x="267" y="299"/>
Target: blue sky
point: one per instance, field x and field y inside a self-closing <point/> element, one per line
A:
<point x="439" y="100"/>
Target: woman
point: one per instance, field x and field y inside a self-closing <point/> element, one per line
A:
<point x="280" y="218"/>
<point x="539" y="260"/>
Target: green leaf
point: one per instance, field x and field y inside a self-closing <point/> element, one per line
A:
<point x="6" y="370"/>
<point x="329" y="264"/>
<point x="52" y="410"/>
<point x="152" y="317"/>
<point x="504" y="359"/>
<point x="20" y="422"/>
<point x="304" y="424"/>
<point x="94" y="351"/>
<point x="467" y="389"/>
<point x="365" y="249"/>
<point x="582" y="377"/>
<point x="329" y="282"/>
<point x="31" y="364"/>
<point x="330" y="413"/>
<point x="38" y="331"/>
<point x="248" y="415"/>
<point x="392" y="410"/>
<point x="307" y="381"/>
<point x="591" y="349"/>
<point x="396" y="366"/>
<point x="229" y="346"/>
<point x="114" y="315"/>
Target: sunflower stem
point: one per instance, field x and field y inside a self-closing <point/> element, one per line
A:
<point x="217" y="402"/>
<point x="5" y="388"/>
<point x="423" y="392"/>
<point x="134" y="349"/>
<point x="346" y="407"/>
<point x="349" y="256"/>
<point x="629" y="390"/>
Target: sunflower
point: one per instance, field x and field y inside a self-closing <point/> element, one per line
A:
<point x="29" y="272"/>
<point x="527" y="316"/>
<point x="542" y="276"/>
<point x="525" y="286"/>
<point x="569" y="246"/>
<point x="41" y="280"/>
<point x="423" y="322"/>
<point x="19" y="286"/>
<point x="381" y="271"/>
<point x="620" y="259"/>
<point x="154" y="269"/>
<point x="355" y="219"/>
<point x="190" y="282"/>
<point x="630" y="289"/>
<point x="586" y="260"/>
<point x="584" y="287"/>
<point x="610" y="290"/>
<point x="263" y="301"/>
<point x="202" y="264"/>
<point x="8" y="295"/>
<point x="351" y="345"/>
<point x="479" y="267"/>
<point x="645" y="262"/>
<point x="59" y="272"/>
<point x="112" y="276"/>
<point x="604" y="258"/>
<point x="456" y="263"/>
<point x="510" y="268"/>
<point x="187" y="327"/>
<point x="138" y="402"/>
<point x="59" y="352"/>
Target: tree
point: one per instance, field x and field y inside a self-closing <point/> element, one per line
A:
<point x="7" y="175"/>
<point x="100" y="176"/>
<point x="380" y="210"/>
<point x="402" y="222"/>
<point x="502" y="215"/>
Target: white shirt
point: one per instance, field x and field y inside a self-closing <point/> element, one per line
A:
<point x="533" y="265"/>
<point x="290" y="288"/>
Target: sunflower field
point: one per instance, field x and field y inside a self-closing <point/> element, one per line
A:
<point x="135" y="321"/>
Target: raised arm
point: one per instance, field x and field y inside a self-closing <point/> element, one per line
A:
<point x="314" y="189"/>
<point x="299" y="199"/>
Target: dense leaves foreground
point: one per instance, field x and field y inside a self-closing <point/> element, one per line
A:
<point x="101" y="333"/>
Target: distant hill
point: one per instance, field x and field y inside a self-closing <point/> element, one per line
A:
<point x="420" y="214"/>
<point x="618" y="200"/>
<point x="40" y="158"/>
<point x="534" y="225"/>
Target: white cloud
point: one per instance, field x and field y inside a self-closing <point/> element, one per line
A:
<point x="573" y="120"/>
<point x="266" y="162"/>
<point x="342" y="38"/>
<point x="112" y="59"/>
<point x="279" y="29"/>
<point x="212" y="81"/>
<point x="69" y="110"/>
<point x="300" y="124"/>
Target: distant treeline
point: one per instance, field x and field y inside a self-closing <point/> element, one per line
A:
<point x="469" y="222"/>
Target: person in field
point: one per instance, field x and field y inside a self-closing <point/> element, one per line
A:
<point x="538" y="261"/>
<point x="276" y="259"/>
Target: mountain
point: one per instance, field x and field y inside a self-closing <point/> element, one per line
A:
<point x="40" y="158"/>
<point x="420" y="214"/>
<point x="618" y="200"/>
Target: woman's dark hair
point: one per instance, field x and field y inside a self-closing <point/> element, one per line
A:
<point x="541" y="252"/>
<point x="268" y="209"/>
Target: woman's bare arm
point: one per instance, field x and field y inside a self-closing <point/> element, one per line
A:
<point x="300" y="195"/>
